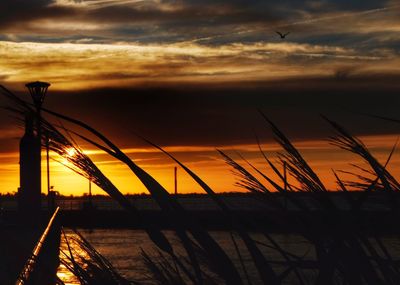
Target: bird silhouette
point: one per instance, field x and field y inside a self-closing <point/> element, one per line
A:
<point x="282" y="35"/>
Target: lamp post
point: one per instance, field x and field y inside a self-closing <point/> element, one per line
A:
<point x="38" y="91"/>
<point x="176" y="180"/>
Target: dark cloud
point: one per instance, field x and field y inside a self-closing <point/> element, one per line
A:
<point x="355" y="5"/>
<point x="188" y="15"/>
<point x="206" y="22"/>
<point x="223" y="115"/>
<point x="220" y="115"/>
<point x="197" y="115"/>
<point x="20" y="12"/>
<point x="292" y="5"/>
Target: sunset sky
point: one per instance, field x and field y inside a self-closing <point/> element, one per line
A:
<point x="191" y="76"/>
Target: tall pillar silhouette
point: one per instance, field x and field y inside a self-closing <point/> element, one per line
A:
<point x="30" y="169"/>
<point x="30" y="153"/>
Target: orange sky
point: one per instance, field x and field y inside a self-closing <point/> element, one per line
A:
<point x="192" y="75"/>
<point x="204" y="161"/>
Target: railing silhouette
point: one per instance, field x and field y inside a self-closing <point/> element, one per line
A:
<point x="29" y="267"/>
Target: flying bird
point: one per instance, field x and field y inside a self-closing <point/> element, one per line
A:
<point x="282" y="35"/>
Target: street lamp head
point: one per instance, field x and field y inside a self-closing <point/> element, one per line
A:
<point x="38" y="91"/>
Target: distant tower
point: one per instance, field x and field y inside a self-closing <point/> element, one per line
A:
<point x="29" y="197"/>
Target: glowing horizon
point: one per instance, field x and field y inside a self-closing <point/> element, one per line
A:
<point x="210" y="167"/>
<point x="191" y="75"/>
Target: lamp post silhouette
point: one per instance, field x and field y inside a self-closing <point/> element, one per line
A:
<point x="30" y="153"/>
<point x="38" y="91"/>
<point x="176" y="180"/>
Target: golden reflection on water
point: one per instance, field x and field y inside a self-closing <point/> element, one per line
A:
<point x="122" y="248"/>
<point x="63" y="272"/>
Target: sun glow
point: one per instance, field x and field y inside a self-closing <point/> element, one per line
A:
<point x="70" y="152"/>
<point x="210" y="168"/>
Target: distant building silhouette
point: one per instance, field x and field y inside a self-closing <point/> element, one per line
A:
<point x="29" y="193"/>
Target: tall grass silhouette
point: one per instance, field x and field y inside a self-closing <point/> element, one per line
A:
<point x="345" y="253"/>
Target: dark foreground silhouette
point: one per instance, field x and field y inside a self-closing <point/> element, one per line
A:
<point x="347" y="251"/>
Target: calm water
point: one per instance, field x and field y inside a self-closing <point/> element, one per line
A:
<point x="122" y="249"/>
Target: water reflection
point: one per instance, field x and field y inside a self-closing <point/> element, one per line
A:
<point x="66" y="248"/>
<point x="123" y="249"/>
